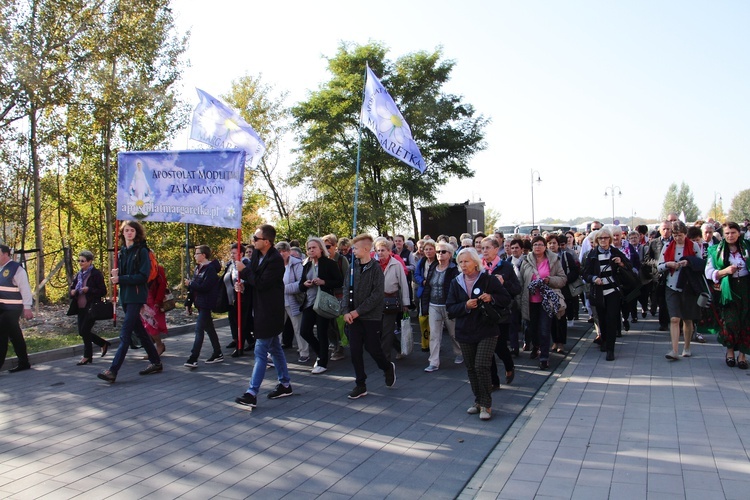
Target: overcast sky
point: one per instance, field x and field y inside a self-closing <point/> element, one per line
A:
<point x="632" y="94"/>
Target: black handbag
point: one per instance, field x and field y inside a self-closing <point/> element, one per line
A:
<point x="102" y="310"/>
<point x="392" y="304"/>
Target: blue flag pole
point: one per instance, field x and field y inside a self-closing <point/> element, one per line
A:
<point x="356" y="195"/>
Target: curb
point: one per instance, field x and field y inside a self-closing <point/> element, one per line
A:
<point x="77" y="350"/>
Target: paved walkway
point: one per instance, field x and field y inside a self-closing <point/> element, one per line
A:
<point x="638" y="427"/>
<point x="65" y="434"/>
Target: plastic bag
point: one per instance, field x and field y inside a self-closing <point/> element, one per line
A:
<point x="407" y="341"/>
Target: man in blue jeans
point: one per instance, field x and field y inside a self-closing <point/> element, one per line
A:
<point x="265" y="275"/>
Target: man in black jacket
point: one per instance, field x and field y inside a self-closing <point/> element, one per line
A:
<point x="265" y="276"/>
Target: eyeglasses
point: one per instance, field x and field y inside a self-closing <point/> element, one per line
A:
<point x="466" y="246"/>
<point x="256" y="238"/>
<point x="82" y="261"/>
<point x="600" y="238"/>
<point x="443" y="251"/>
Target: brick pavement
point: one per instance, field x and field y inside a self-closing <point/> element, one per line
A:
<point x="638" y="427"/>
<point x="65" y="434"/>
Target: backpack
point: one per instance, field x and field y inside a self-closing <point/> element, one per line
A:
<point x="154" y="266"/>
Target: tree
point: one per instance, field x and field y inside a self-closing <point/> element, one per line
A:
<point x="270" y="118"/>
<point x="679" y="200"/>
<point x="716" y="210"/>
<point x="491" y="218"/>
<point x="445" y="128"/>
<point x="740" y="209"/>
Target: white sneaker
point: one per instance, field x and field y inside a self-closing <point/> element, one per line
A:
<point x="459" y="359"/>
<point x="319" y="369"/>
<point x="431" y="368"/>
<point x="671" y="355"/>
<point x="485" y="413"/>
<point x="686" y="353"/>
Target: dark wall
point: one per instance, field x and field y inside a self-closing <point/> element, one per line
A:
<point x="452" y="219"/>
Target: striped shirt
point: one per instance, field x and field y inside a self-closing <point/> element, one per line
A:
<point x="605" y="272"/>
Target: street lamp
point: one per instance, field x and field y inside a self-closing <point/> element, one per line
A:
<point x="716" y="217"/>
<point x="633" y="213"/>
<point x="611" y="191"/>
<point x="538" y="180"/>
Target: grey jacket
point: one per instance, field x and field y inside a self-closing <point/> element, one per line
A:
<point x="367" y="298"/>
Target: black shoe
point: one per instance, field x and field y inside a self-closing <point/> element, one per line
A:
<point x="215" y="358"/>
<point x="84" y="361"/>
<point x="105" y="348"/>
<point x="247" y="399"/>
<point x="643" y="314"/>
<point x="390" y="376"/>
<point x="634" y="320"/>
<point x="358" y="392"/>
<point x="280" y="392"/>
<point x="191" y="363"/>
<point x="107" y="376"/>
<point x="19" y="368"/>
<point x="237" y="353"/>
<point x="543" y="365"/>
<point x="626" y="325"/>
<point x="591" y="320"/>
<point x="742" y="365"/>
<point x="526" y="347"/>
<point x="731" y="362"/>
<point x="232" y="344"/>
<point x="610" y="355"/>
<point x="509" y="376"/>
<point x="153" y="368"/>
<point x="534" y="354"/>
<point x="514" y="352"/>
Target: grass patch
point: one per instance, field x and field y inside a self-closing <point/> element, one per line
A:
<point x="47" y="343"/>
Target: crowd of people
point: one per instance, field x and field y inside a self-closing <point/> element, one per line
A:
<point x="492" y="296"/>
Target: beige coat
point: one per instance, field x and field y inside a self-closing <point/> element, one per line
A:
<point x="395" y="280"/>
<point x="557" y="278"/>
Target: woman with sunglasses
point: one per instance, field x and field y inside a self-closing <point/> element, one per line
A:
<point x="601" y="268"/>
<point x="318" y="273"/>
<point x="436" y="285"/>
<point x="88" y="288"/>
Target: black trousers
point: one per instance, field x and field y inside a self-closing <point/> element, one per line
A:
<point x="11" y="330"/>
<point x="364" y="335"/>
<point x="609" y="319"/>
<point x="502" y="351"/>
<point x="85" y="324"/>
<point x="319" y="345"/>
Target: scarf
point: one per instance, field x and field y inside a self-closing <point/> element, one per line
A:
<point x="669" y="252"/>
<point x="550" y="300"/>
<point x="82" y="276"/>
<point x="719" y="255"/>
<point x="384" y="263"/>
<point x="490" y="266"/>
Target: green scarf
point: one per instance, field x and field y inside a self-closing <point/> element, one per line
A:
<point x="719" y="255"/>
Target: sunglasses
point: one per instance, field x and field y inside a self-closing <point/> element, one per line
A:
<point x="256" y="238"/>
<point x="443" y="251"/>
<point x="329" y="246"/>
<point x="82" y="261"/>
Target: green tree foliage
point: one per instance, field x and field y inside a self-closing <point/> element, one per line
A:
<point x="491" y="220"/>
<point x="90" y="78"/>
<point x="679" y="200"/>
<point x="446" y="129"/>
<point x="740" y="209"/>
<point x="716" y="210"/>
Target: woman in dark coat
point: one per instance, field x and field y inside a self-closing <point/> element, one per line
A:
<point x="476" y="333"/>
<point x="88" y="288"/>
<point x="132" y="273"/>
<point x="318" y="273"/>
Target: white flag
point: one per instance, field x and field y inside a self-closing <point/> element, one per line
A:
<point x="217" y="125"/>
<point x="382" y="117"/>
